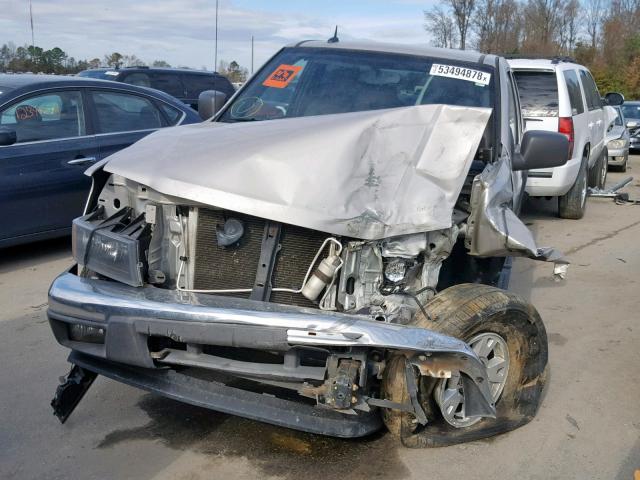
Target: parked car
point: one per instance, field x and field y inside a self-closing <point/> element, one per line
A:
<point x="561" y="96"/>
<point x="631" y="112"/>
<point x="51" y="129"/>
<point x="184" y="84"/>
<point x="618" y="141"/>
<point x="338" y="246"/>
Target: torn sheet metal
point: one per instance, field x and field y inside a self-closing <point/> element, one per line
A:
<point x="367" y="175"/>
<point x="495" y="230"/>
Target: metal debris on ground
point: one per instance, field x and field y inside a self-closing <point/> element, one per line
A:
<point x="621" y="198"/>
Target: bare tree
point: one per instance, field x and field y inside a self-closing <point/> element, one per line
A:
<point x="567" y="27"/>
<point x="593" y="14"/>
<point x="462" y="12"/>
<point x="497" y="25"/>
<point x="541" y="26"/>
<point x="132" y="61"/>
<point x="441" y="27"/>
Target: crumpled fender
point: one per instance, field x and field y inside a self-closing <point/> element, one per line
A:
<point x="494" y="228"/>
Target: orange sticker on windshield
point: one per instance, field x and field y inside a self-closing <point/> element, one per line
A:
<point x="282" y="76"/>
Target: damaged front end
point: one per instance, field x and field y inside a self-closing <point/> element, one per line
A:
<point x="287" y="304"/>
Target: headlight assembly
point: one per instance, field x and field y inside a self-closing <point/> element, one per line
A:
<point x="114" y="247"/>
<point x="616" y="144"/>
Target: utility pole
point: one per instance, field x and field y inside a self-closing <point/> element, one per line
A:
<point x="215" y="61"/>
<point x="33" y="42"/>
<point x="251" y="54"/>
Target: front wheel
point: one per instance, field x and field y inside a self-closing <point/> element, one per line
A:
<point x="508" y="336"/>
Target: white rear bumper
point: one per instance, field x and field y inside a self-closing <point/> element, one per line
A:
<point x="553" y="182"/>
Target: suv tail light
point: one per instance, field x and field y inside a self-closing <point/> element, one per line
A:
<point x="565" y="126"/>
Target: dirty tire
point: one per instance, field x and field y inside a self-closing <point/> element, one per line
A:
<point x="464" y="311"/>
<point x="598" y="174"/>
<point x="573" y="204"/>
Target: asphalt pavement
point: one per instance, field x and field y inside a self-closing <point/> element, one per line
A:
<point x="588" y="426"/>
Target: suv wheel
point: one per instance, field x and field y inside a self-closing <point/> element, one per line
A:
<point x="598" y="174"/>
<point x="573" y="203"/>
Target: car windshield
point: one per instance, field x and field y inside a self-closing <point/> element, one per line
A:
<point x="618" y="121"/>
<point x="302" y="82"/>
<point x="100" y="74"/>
<point x="631" y="110"/>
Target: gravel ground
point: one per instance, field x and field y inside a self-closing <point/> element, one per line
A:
<point x="588" y="425"/>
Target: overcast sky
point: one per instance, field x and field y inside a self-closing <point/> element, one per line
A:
<point x="182" y="32"/>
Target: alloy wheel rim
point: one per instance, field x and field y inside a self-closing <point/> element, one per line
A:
<point x="492" y="350"/>
<point x="603" y="171"/>
<point x="583" y="191"/>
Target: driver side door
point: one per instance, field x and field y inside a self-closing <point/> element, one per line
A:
<point x="42" y="185"/>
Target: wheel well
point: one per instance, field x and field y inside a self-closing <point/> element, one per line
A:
<point x="460" y="267"/>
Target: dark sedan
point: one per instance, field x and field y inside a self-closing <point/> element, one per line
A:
<point x="53" y="128"/>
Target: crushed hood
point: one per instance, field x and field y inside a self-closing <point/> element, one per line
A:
<point x="368" y="175"/>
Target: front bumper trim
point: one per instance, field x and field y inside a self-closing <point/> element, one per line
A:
<point x="131" y="315"/>
<point x="230" y="400"/>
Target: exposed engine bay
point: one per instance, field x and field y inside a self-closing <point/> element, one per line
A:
<point x="199" y="249"/>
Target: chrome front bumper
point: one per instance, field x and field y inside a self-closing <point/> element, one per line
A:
<point x="130" y="315"/>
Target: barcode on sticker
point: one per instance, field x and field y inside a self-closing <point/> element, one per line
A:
<point x="461" y="73"/>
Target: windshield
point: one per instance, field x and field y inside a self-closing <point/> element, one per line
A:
<point x="101" y="74"/>
<point x="302" y="82"/>
<point x="631" y="110"/>
<point x="618" y="121"/>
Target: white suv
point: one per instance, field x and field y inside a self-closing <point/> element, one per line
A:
<point x="561" y="96"/>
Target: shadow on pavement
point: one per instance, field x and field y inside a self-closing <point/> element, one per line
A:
<point x="34" y="254"/>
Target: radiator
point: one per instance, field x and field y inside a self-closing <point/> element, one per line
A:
<point x="235" y="267"/>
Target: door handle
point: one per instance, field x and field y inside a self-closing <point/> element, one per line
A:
<point x="82" y="160"/>
<point x="599" y="122"/>
<point x="590" y="124"/>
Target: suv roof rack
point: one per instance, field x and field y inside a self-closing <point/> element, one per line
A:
<point x="533" y="56"/>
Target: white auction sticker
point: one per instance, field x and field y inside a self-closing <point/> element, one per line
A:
<point x="461" y="73"/>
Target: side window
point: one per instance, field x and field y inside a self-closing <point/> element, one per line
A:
<point x="46" y="117"/>
<point x="122" y="112"/>
<point x="167" y="82"/>
<point x="173" y="114"/>
<point x="196" y="84"/>
<point x="590" y="90"/>
<point x="138" y="79"/>
<point x="223" y="85"/>
<point x="575" y="96"/>
<point x="513" y="111"/>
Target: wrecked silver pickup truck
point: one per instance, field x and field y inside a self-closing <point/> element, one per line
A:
<point x="324" y="254"/>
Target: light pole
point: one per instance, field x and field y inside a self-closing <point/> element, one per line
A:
<point x="33" y="42"/>
<point x="215" y="61"/>
<point x="251" y="54"/>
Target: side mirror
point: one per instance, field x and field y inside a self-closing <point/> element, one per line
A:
<point x="7" y="137"/>
<point x="614" y="99"/>
<point x="210" y="102"/>
<point x="540" y="149"/>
